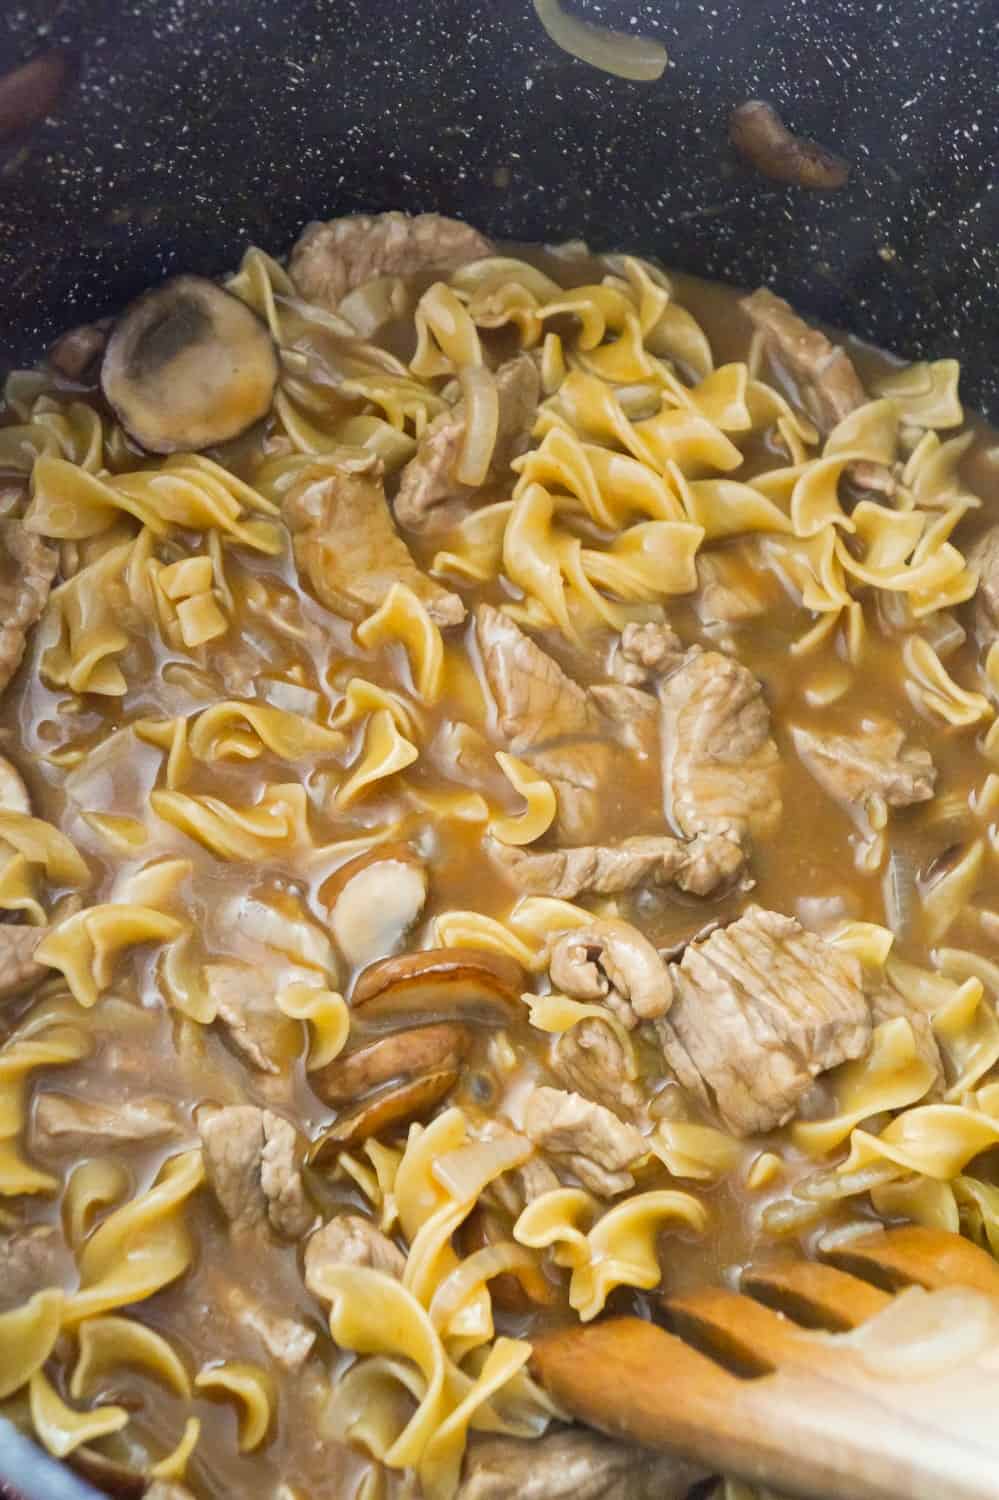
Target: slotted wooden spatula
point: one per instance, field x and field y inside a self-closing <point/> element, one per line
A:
<point x="747" y="1383"/>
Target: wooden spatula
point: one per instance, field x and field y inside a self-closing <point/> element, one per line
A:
<point x="745" y="1385"/>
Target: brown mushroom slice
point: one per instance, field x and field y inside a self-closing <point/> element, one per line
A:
<point x="397" y="1105"/>
<point x="374" y="900"/>
<point x="189" y="365"/>
<point x="398" y="1056"/>
<point x="449" y="982"/>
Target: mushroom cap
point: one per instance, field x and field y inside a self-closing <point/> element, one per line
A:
<point x="467" y="982"/>
<point x="398" y="1056"/>
<point x="189" y="365"/>
<point x="374" y="901"/>
<point x="396" y="1105"/>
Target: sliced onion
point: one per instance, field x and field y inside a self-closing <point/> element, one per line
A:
<point x="636" y="57"/>
<point x="478" y="389"/>
<point x="474" y="1272"/>
<point x="465" y="1171"/>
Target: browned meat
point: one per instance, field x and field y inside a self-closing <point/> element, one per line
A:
<point x="580" y="775"/>
<point x="590" y="1060"/>
<point x="329" y="259"/>
<point x="589" y="1139"/>
<point x="720" y="766"/>
<point x="31" y="1259"/>
<point x="760" y="136"/>
<point x="349" y="1240"/>
<point x="536" y="702"/>
<point x="983" y="559"/>
<point x="874" y="763"/>
<point x="286" y="1339"/>
<point x="823" y="374"/>
<point x="608" y="869"/>
<point x="62" y="1122"/>
<point x="246" y="1006"/>
<point x="29" y="566"/>
<point x="521" y="1185"/>
<point x="19" y="969"/>
<point x="634" y="714"/>
<point x="570" y="1464"/>
<point x="429" y="497"/>
<point x="612" y="961"/>
<point x="250" y="1159"/>
<point x="724" y="594"/>
<point x="348" y="548"/>
<point x="761" y="1008"/>
<point x="645" y="651"/>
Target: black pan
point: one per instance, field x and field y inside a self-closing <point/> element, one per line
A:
<point x="175" y="132"/>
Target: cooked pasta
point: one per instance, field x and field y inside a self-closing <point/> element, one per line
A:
<point x="499" y="832"/>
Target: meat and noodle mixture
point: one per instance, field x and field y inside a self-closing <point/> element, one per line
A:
<point x="497" y="824"/>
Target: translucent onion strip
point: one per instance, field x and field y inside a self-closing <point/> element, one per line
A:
<point x="626" y="56"/>
<point x="478" y="388"/>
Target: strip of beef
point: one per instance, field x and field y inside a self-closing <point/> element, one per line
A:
<point x="19" y="969"/>
<point x="590" y="1139"/>
<point x="329" y="259"/>
<point x="286" y="1340"/>
<point x="571" y="1464"/>
<point x="251" y="1162"/>
<point x="347" y="546"/>
<point x="590" y="1060"/>
<point x="245" y="1004"/>
<point x="725" y="595"/>
<point x="62" y="1122"/>
<point x="31" y="1260"/>
<point x="430" y="498"/>
<point x="634" y="714"/>
<point x="983" y="559"/>
<point x="518" y="1187"/>
<point x="350" y="1240"/>
<point x="823" y="374"/>
<point x="720" y="766"/>
<point x="874" y="764"/>
<point x="611" y="961"/>
<point x="760" y="1008"/>
<point x="29" y="566"/>
<point x="698" y="867"/>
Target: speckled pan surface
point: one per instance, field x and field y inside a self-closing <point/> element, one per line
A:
<point x="195" y="126"/>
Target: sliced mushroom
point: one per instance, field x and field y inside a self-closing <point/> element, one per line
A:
<point x="399" y="1056"/>
<point x="449" y="982"/>
<point x="189" y="365"/>
<point x="612" y="961"/>
<point x="374" y="900"/>
<point x="397" y="1105"/>
<point x="75" y="352"/>
<point x="13" y="792"/>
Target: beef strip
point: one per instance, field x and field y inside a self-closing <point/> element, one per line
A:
<point x="590" y="1139"/>
<point x="720" y="766"/>
<point x="724" y="595"/>
<point x="350" y="1240"/>
<point x="329" y="259"/>
<point x="250" y="1159"/>
<point x="286" y="1340"/>
<point x="634" y="714"/>
<point x="24" y="590"/>
<point x="347" y="546"/>
<point x="611" y="961"/>
<point x="590" y="1060"/>
<point x="760" y="1008"/>
<point x="875" y="763"/>
<point x="62" y="1122"/>
<point x="983" y="559"/>
<point x="19" y="969"/>
<point x="429" y="497"/>
<point x="30" y="1260"/>
<point x="571" y="1464"/>
<point x="246" y="1006"/>
<point x="698" y="867"/>
<point x="518" y="1187"/>
<point x="828" y="384"/>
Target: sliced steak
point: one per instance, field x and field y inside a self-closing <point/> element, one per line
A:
<point x="571" y="1464"/>
<point x="760" y="1008"/>
<point x="429" y="497"/>
<point x="28" y="568"/>
<point x="62" y="1122"/>
<point x="875" y="763"/>
<point x="347" y="547"/>
<point x="350" y="1240"/>
<point x="590" y="1060"/>
<point x="699" y="866"/>
<point x="588" y="1138"/>
<point x="246" y="1006"/>
<point x="612" y="961"/>
<point x="31" y="1260"/>
<point x="521" y="1185"/>
<point x="822" y="373"/>
<point x="724" y="594"/>
<point x="251" y="1162"/>
<point x="720" y="767"/>
<point x="329" y="259"/>
<point x="287" y="1340"/>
